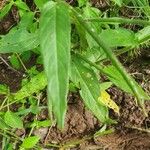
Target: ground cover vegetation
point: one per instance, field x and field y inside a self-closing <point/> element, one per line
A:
<point x="59" y="48"/>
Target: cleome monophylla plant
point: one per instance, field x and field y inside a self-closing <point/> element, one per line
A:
<point x="73" y="43"/>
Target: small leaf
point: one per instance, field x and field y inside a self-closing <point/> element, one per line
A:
<point x="25" y="56"/>
<point x="45" y="123"/>
<point x="82" y="2"/>
<point x="22" y="5"/>
<point x="4" y="89"/>
<point x="36" y="84"/>
<point x="5" y="10"/>
<point x="91" y="12"/>
<point x="18" y="41"/>
<point x="102" y="133"/>
<point x="10" y="146"/>
<point x="107" y="101"/>
<point x="118" y="37"/>
<point x="3" y="125"/>
<point x="144" y="34"/>
<point x="30" y="142"/>
<point x="105" y="85"/>
<point x="14" y="61"/>
<point x="13" y="120"/>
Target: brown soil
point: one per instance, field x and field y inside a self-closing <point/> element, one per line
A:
<point x="10" y="77"/>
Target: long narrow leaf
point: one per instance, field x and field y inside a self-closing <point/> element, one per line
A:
<point x="117" y="79"/>
<point x="55" y="48"/>
<point x="90" y="89"/>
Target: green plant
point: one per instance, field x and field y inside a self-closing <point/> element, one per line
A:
<point x="73" y="42"/>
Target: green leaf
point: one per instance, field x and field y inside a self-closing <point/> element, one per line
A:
<point x="36" y="84"/>
<point x="44" y="123"/>
<point x="22" y="5"/>
<point x="25" y="56"/>
<point x="118" y="2"/>
<point x="105" y="85"/>
<point x="5" y="10"/>
<point x="26" y="20"/>
<point x="143" y="5"/>
<point x="14" y="61"/>
<point x="144" y="34"/>
<point x="95" y="54"/>
<point x="4" y="89"/>
<point x="55" y="48"/>
<point x="90" y="89"/>
<point x="119" y="81"/>
<point x="10" y="146"/>
<point x="82" y="2"/>
<point x="13" y="120"/>
<point x="18" y="41"/>
<point x="3" y="125"/>
<point x="118" y="37"/>
<point x="30" y="142"/>
<point x="91" y="12"/>
<point x="40" y="3"/>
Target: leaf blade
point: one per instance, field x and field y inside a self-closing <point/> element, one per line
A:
<point x="13" y="120"/>
<point x="90" y="90"/>
<point x="18" y="41"/>
<point x="118" y="80"/>
<point x="30" y="142"/>
<point x="55" y="48"/>
<point x="105" y="99"/>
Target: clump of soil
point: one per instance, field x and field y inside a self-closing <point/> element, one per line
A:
<point x="79" y="122"/>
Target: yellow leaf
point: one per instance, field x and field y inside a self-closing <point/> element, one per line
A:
<point x="107" y="101"/>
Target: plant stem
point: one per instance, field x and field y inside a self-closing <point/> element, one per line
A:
<point x="86" y="138"/>
<point x="24" y="67"/>
<point x="36" y="117"/>
<point x="5" y="62"/>
<point x="118" y="20"/>
<point x="92" y="64"/>
<point x="112" y="57"/>
<point x="140" y="129"/>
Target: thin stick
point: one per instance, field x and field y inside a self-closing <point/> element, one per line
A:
<point x="24" y="67"/>
<point x="6" y="63"/>
<point x="140" y="129"/>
